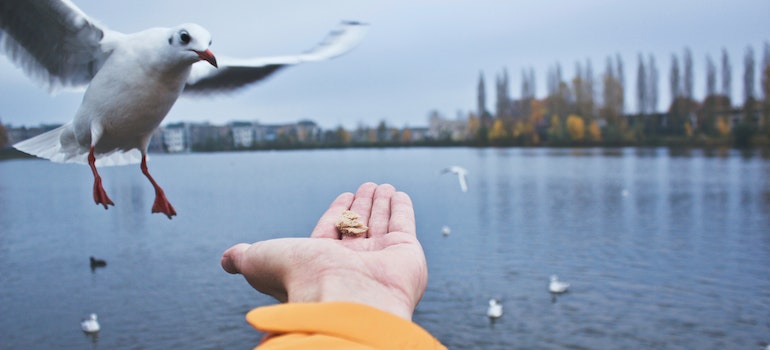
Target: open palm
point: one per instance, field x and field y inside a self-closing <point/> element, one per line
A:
<point x="386" y="269"/>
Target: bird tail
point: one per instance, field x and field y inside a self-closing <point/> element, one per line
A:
<point x="60" y="146"/>
<point x="55" y="145"/>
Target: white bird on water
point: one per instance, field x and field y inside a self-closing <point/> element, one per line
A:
<point x="133" y="79"/>
<point x="462" y="175"/>
<point x="90" y="325"/>
<point x="556" y="286"/>
<point x="495" y="309"/>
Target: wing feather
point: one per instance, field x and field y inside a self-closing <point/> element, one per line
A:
<point x="53" y="41"/>
<point x="236" y="73"/>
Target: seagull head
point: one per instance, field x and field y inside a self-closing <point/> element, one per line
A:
<point x="193" y="43"/>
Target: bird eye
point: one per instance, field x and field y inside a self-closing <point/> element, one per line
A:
<point x="184" y="37"/>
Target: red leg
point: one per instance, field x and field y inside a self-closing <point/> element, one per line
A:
<point x="100" y="196"/>
<point x="161" y="204"/>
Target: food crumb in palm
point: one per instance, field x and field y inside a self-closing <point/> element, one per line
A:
<point x="348" y="224"/>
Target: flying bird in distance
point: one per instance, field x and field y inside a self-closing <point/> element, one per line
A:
<point x="131" y="81"/>
<point x="462" y="175"/>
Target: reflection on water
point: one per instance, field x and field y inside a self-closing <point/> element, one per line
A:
<point x="655" y="261"/>
<point x="663" y="249"/>
<point x="93" y="338"/>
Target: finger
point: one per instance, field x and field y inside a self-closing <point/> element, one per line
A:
<point x="380" y="216"/>
<point x="325" y="227"/>
<point x="402" y="214"/>
<point x="362" y="203"/>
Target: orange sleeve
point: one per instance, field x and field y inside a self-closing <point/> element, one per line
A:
<point x="336" y="325"/>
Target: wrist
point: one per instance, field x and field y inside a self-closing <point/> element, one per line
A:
<point x="349" y="286"/>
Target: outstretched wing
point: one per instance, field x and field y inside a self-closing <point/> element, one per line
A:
<point x="463" y="181"/>
<point x="462" y="175"/>
<point x="236" y="73"/>
<point x="52" y="40"/>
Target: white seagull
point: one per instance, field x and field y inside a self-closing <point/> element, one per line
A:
<point x="90" y="325"/>
<point x="557" y="286"/>
<point x="462" y="175"/>
<point x="495" y="309"/>
<point x="132" y="79"/>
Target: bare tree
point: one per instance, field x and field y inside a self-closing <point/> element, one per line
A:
<point x="726" y="75"/>
<point x="589" y="87"/>
<point x="583" y="88"/>
<point x="612" y="94"/>
<point x="711" y="77"/>
<point x="766" y="74"/>
<point x="642" y="102"/>
<point x="748" y="85"/>
<point x="680" y="105"/>
<point x="559" y="95"/>
<point x="532" y="81"/>
<point x="578" y="90"/>
<point x="552" y="83"/>
<point x="766" y="89"/>
<point x="711" y="103"/>
<point x="621" y="95"/>
<point x="748" y="75"/>
<point x="481" y="96"/>
<point x="674" y="82"/>
<point x="502" y="105"/>
<point x="652" y="81"/>
<point x="528" y="90"/>
<point x="687" y="78"/>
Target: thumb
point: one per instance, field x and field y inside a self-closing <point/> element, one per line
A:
<point x="231" y="258"/>
<point x="263" y="264"/>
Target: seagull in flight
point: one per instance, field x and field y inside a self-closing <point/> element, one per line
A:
<point x="462" y="175"/>
<point x="131" y="81"/>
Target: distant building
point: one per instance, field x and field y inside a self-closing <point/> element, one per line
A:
<point x="201" y="137"/>
<point x="207" y="137"/>
<point x="175" y="138"/>
<point x="268" y="133"/>
<point x="20" y="134"/>
<point x="308" y="131"/>
<point x="418" y="134"/>
<point x="243" y="134"/>
<point x="440" y="128"/>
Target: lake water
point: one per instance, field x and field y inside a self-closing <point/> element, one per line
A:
<point x="663" y="250"/>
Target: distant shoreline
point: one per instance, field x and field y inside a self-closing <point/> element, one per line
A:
<point x="12" y="153"/>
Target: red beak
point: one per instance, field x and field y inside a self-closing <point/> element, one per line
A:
<point x="208" y="56"/>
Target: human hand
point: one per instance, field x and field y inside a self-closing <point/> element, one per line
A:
<point x="386" y="269"/>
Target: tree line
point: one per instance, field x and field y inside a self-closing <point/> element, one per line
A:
<point x="590" y="109"/>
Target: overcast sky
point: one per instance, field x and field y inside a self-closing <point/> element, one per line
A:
<point x="419" y="55"/>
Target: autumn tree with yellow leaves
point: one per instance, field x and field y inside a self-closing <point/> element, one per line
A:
<point x="576" y="127"/>
<point x="497" y="135"/>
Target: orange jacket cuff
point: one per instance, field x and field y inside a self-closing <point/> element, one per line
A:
<point x="337" y="325"/>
